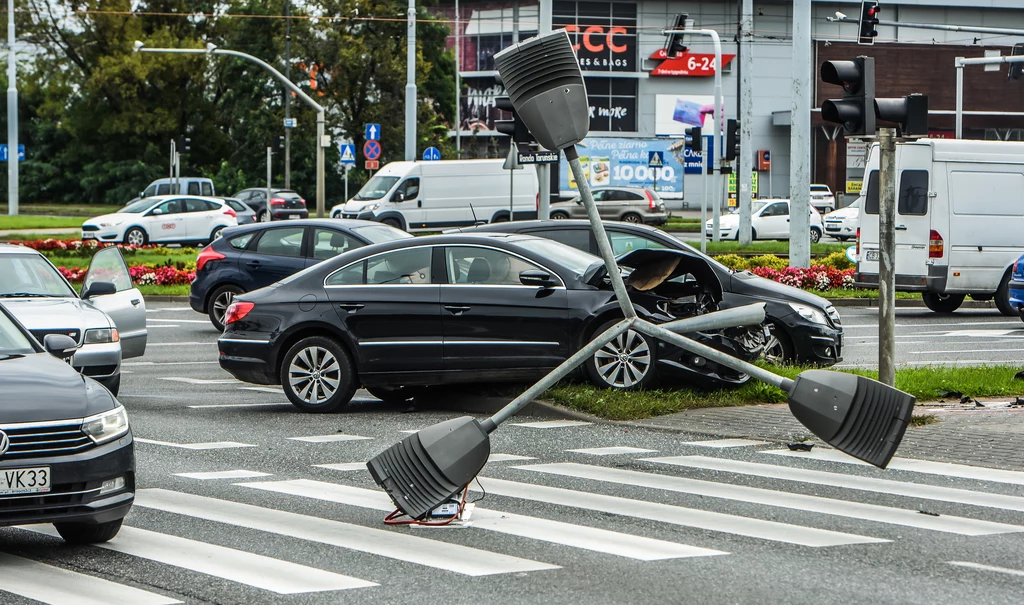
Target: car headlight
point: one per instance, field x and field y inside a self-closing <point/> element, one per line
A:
<point x="371" y="207"/>
<point x="111" y="224"/>
<point x="101" y="335"/>
<point x="810" y="313"/>
<point x="106" y="426"/>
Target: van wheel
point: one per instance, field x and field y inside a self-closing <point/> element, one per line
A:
<point x="815" y="235"/>
<point x="1002" y="298"/>
<point x="501" y="218"/>
<point x="318" y="375"/>
<point x="942" y="303"/>
<point x="390" y="222"/>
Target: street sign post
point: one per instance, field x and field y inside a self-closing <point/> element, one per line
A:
<point x="290" y="122"/>
<point x="4" y="153"/>
<point x="537" y="157"/>
<point x="348" y="154"/>
<point x="431" y="154"/>
<point x="372" y="164"/>
<point x="371" y="149"/>
<point x="372" y="132"/>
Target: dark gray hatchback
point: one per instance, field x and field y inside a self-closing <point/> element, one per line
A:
<point x="66" y="452"/>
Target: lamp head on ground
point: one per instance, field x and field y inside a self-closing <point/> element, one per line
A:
<point x="210" y="47"/>
<point x="137" y="46"/>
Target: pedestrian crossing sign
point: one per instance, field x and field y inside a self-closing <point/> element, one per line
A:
<point x="655" y="159"/>
<point x="348" y="154"/>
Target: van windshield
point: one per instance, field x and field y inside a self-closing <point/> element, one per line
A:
<point x="376" y="188"/>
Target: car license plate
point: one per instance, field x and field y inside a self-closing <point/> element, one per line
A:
<point x="872" y="255"/>
<point x="87" y="235"/>
<point x="291" y="216"/>
<point x="25" y="480"/>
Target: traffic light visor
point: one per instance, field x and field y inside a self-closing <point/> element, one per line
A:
<point x="848" y="74"/>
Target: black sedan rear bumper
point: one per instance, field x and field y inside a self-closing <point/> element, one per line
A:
<point x="248" y="359"/>
<point x="74" y="494"/>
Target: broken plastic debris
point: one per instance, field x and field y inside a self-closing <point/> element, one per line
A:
<point x="800" y="447"/>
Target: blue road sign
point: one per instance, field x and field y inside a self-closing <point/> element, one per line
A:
<point x="851" y="253"/>
<point x="372" y="132"/>
<point x="371" y="149"/>
<point x="431" y="154"/>
<point x="655" y="159"/>
<point x="290" y="122"/>
<point x="348" y="154"/>
<point x="3" y="153"/>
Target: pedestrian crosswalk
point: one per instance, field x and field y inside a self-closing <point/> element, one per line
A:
<point x="612" y="502"/>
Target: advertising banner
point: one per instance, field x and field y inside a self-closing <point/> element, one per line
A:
<point x="624" y="163"/>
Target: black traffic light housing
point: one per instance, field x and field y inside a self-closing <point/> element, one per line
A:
<point x="279" y="143"/>
<point x="183" y="144"/>
<point x="910" y="114"/>
<point x="1016" y="69"/>
<point x="675" y="45"/>
<point x="868" y="22"/>
<point x="515" y="127"/>
<point x="855" y="111"/>
<point x="696" y="140"/>
<point x="732" y="139"/>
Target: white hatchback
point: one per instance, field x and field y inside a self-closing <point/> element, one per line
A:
<point x="769" y="219"/>
<point x="842" y="224"/>
<point x="163" y="219"/>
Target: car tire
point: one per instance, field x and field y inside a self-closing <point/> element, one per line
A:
<point x="942" y="303"/>
<point x="634" y="371"/>
<point x="88" y="533"/>
<point x="815" y="235"/>
<point x="391" y="222"/>
<point x="215" y="235"/>
<point x="220" y="300"/>
<point x="779" y="349"/>
<point x="398" y="394"/>
<point x="559" y="216"/>
<point x="264" y="216"/>
<point x="843" y="238"/>
<point x="1002" y="297"/>
<point x="113" y="383"/>
<point x="753" y="234"/>
<point x="827" y="209"/>
<point x="308" y="369"/>
<point x="136" y="236"/>
<point x="632" y="217"/>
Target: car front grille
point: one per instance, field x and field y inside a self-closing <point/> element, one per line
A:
<point x="74" y="333"/>
<point x="62" y="499"/>
<point x="833" y="315"/>
<point x="45" y="439"/>
<point x="90" y="228"/>
<point x="349" y="215"/>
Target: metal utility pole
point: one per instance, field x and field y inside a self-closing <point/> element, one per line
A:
<point x="410" y="86"/>
<point x="746" y="114"/>
<point x="959" y="63"/>
<point x="887" y="260"/>
<point x="12" y="116"/>
<point x="800" y="139"/>
<point x="288" y="94"/>
<point x="458" y="87"/>
<point x="544" y="170"/>
<point x="270" y="156"/>
<point x="173" y="152"/>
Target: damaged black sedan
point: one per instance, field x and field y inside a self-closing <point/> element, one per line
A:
<point x="469" y="308"/>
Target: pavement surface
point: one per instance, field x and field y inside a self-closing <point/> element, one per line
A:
<point x="244" y="500"/>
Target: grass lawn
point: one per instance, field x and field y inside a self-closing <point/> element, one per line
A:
<point x="679" y="220"/>
<point x="79" y="210"/>
<point x="765" y="247"/>
<point x="925" y="383"/>
<point x="28" y="237"/>
<point x="26" y="221"/>
<point x="139" y="258"/>
<point x="859" y="293"/>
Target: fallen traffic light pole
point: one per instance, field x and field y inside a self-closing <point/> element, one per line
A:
<point x="854" y="414"/>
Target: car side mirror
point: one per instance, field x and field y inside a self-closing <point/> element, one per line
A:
<point x="142" y="194"/>
<point x="398" y="197"/>
<point x="157" y="211"/>
<point x="60" y="346"/>
<point x="99" y="288"/>
<point x="536" y="277"/>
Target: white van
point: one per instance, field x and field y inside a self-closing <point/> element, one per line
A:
<point x="190" y="185"/>
<point x="430" y="196"/>
<point x="959" y="220"/>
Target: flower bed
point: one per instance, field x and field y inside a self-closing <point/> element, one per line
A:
<point x="816" y="278"/>
<point x="76" y="248"/>
<point x="143" y="275"/>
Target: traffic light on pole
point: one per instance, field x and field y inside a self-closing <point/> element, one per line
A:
<point x="910" y="114"/>
<point x="868" y="22"/>
<point x="856" y="110"/>
<point x="1016" y="69"/>
<point x="183" y="144"/>
<point x="696" y="140"/>
<point x="732" y="139"/>
<point x="279" y="143"/>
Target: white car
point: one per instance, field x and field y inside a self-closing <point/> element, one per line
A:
<point x="822" y="198"/>
<point x="842" y="224"/>
<point x="163" y="219"/>
<point x="769" y="219"/>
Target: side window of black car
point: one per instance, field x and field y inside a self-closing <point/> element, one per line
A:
<point x="351" y="275"/>
<point x="400" y="267"/>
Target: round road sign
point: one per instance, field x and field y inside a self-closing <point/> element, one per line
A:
<point x="371" y="149"/>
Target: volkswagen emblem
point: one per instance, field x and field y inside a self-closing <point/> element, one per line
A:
<point x="5" y="443"/>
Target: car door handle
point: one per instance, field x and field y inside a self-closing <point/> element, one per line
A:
<point x="351" y="307"/>
<point x="901" y="227"/>
<point x="136" y="302"/>
<point x="457" y="309"/>
<point x="253" y="263"/>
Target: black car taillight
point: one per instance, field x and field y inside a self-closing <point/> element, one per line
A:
<point x="237" y="311"/>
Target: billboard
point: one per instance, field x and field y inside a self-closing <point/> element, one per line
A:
<point x="623" y="163"/>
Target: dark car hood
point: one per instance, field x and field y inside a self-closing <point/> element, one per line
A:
<point x="745" y="282"/>
<point x="40" y="387"/>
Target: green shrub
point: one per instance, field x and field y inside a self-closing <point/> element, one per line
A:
<point x="767" y="260"/>
<point x="733" y="261"/>
<point x="836" y="260"/>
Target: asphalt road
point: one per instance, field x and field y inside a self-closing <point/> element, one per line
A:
<point x="295" y="519"/>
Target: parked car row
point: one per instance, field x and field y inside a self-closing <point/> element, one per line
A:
<point x="769" y="219"/>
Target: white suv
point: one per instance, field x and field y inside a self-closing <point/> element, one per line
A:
<point x="822" y="198"/>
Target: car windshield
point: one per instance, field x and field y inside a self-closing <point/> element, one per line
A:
<point x="819" y="188"/>
<point x="287" y="194"/>
<point x="12" y="340"/>
<point x="377" y="234"/>
<point x="576" y="260"/>
<point x="376" y="188"/>
<point x="30" y="276"/>
<point x="138" y="207"/>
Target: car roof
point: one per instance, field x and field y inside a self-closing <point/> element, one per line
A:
<point x="345" y="223"/>
<point x="16" y="249"/>
<point x="574" y="223"/>
<point x="175" y="196"/>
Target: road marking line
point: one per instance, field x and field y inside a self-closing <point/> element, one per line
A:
<point x="676" y="515"/>
<point x="507" y="457"/>
<point x="199" y="380"/>
<point x="410" y="431"/>
<point x="971" y="351"/>
<point x="183" y="321"/>
<point x="567" y="534"/>
<point x="929" y="467"/>
<point x="217" y="445"/>
<point x="933" y="325"/>
<point x="58" y="586"/>
<point x="612" y="451"/>
<point x="394" y="545"/>
<point x="174" y="309"/>
<point x="239" y="474"/>
<point x="343" y="466"/>
<point x="281" y="577"/>
<point x="275" y="391"/>
<point x="328" y="438"/>
<point x="151" y="326"/>
<point x="801" y="502"/>
<point x="868" y="484"/>
<point x="1005" y="570"/>
<point x="237" y="405"/>
<point x="180" y="344"/>
<point x="726" y="443"/>
<point x="550" y="424"/>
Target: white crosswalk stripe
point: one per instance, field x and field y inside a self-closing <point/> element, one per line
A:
<point x="803" y="502"/>
<point x="281" y="577"/>
<point x="56" y="586"/>
<point x="589" y="538"/>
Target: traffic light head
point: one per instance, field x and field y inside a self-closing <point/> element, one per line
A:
<point x="1016" y="69"/>
<point x="279" y="143"/>
<point x="855" y="111"/>
<point x="183" y="144"/>
<point x="696" y="140"/>
<point x="675" y="45"/>
<point x="514" y="127"/>
<point x="910" y="114"/>
<point x="868" y="22"/>
<point x="732" y="139"/>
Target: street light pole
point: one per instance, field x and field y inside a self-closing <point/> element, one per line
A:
<point x="320" y="114"/>
<point x="12" y="116"/>
<point x="288" y="94"/>
<point x="410" y="87"/>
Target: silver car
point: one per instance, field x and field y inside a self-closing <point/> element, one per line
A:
<point x="627" y="204"/>
<point x="243" y="213"/>
<point x="108" y="320"/>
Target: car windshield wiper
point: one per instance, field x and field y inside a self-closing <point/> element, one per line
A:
<point x="27" y="295"/>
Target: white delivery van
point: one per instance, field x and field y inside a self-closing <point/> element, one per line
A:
<point x="959" y="220"/>
<point x="430" y="196"/>
<point x="189" y="185"/>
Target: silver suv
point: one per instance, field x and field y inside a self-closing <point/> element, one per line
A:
<point x="627" y="204"/>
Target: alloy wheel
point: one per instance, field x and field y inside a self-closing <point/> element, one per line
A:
<point x="314" y="375"/>
<point x="625" y="361"/>
<point x="136" y="238"/>
<point x="774" y="351"/>
<point x="221" y="304"/>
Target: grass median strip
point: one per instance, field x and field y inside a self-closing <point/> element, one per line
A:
<point x="764" y="247"/>
<point x="925" y="383"/>
<point x="29" y="221"/>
